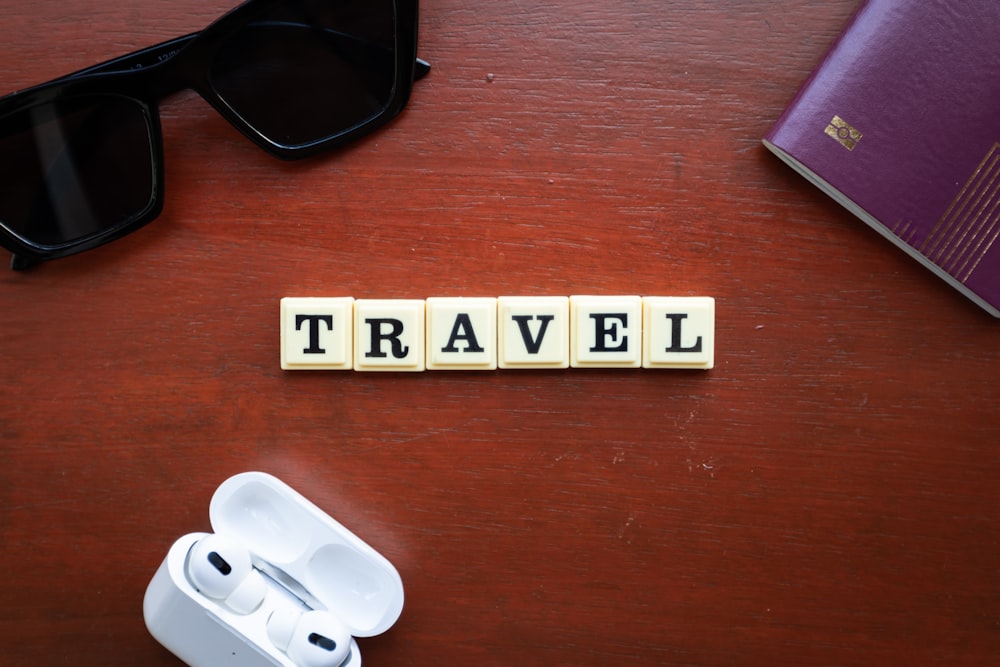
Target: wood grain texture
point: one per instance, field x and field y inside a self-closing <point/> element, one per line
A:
<point x="827" y="495"/>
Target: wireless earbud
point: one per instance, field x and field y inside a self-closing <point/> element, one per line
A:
<point x="221" y="569"/>
<point x="311" y="638"/>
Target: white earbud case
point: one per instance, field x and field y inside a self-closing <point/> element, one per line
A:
<point x="309" y="561"/>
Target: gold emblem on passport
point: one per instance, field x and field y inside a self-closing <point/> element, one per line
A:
<point x="845" y="135"/>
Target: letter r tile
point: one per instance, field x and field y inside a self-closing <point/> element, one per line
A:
<point x="678" y="332"/>
<point x="389" y="335"/>
<point x="605" y="331"/>
<point x="533" y="331"/>
<point x="317" y="333"/>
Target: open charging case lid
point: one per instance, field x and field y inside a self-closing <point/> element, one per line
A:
<point x="303" y="543"/>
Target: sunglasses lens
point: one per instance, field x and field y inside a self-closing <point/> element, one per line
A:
<point x="309" y="70"/>
<point x="72" y="169"/>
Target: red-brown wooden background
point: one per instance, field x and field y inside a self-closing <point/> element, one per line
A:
<point x="827" y="495"/>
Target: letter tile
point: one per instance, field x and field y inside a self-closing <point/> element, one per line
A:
<point x="461" y="333"/>
<point x="317" y="333"/>
<point x="533" y="331"/>
<point x="678" y="332"/>
<point x="605" y="331"/>
<point x="389" y="335"/>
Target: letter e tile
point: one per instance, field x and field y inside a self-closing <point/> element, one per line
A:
<point x="678" y="332"/>
<point x="389" y="335"/>
<point x="317" y="333"/>
<point x="605" y="331"/>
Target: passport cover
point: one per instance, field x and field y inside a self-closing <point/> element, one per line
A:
<point x="900" y="123"/>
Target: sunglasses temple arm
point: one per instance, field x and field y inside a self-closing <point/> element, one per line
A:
<point x="21" y="263"/>
<point x="154" y="55"/>
<point x="147" y="57"/>
<point x="421" y="69"/>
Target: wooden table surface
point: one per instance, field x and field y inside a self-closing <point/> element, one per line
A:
<point x="827" y="495"/>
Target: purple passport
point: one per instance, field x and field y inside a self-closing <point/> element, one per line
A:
<point x="900" y="123"/>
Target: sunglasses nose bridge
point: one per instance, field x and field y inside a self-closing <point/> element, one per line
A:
<point x="180" y="71"/>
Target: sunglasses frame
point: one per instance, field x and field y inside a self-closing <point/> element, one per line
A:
<point x="149" y="75"/>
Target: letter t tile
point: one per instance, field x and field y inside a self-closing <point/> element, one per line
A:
<point x="317" y="333"/>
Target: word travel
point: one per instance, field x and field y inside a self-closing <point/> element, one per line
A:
<point x="510" y="332"/>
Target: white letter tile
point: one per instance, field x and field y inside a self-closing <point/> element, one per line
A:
<point x="510" y="332"/>
<point x="317" y="333"/>
<point x="678" y="332"/>
<point x="461" y="333"/>
<point x="605" y="331"/>
<point x="389" y="335"/>
<point x="533" y="331"/>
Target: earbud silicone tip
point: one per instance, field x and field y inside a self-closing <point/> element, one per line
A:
<point x="281" y="627"/>
<point x="248" y="595"/>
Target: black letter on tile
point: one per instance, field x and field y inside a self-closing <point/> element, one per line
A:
<point x="314" y="321"/>
<point x="463" y="331"/>
<point x="399" y="351"/>
<point x="675" y="334"/>
<point x="533" y="345"/>
<point x="605" y="332"/>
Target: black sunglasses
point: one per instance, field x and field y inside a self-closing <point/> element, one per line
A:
<point x="81" y="158"/>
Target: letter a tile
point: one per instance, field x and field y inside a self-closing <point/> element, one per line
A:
<point x="317" y="333"/>
<point x="461" y="333"/>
